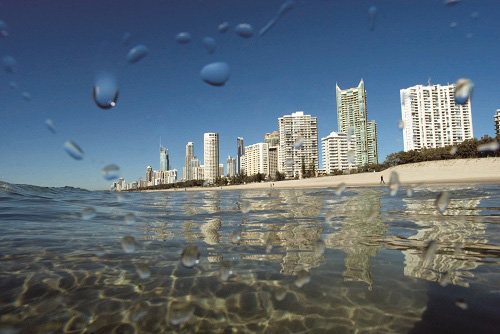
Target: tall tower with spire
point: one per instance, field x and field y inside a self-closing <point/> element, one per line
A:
<point x="164" y="162"/>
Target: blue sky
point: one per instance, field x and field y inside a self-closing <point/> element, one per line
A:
<point x="60" y="47"/>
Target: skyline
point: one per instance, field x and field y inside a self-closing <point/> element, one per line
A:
<point x="293" y="67"/>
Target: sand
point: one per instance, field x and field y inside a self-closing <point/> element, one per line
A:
<point x="463" y="171"/>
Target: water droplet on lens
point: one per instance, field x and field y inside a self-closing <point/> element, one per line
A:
<point x="245" y="30"/>
<point x="340" y="189"/>
<point x="73" y="150"/>
<point x="474" y="15"/>
<point x="245" y="206"/>
<point x="209" y="44"/>
<point x="430" y="251"/>
<point x="137" y="53"/>
<point x="350" y="134"/>
<point x="12" y="85"/>
<point x="130" y="218"/>
<point x="4" y="29"/>
<point x="190" y="256"/>
<point x="223" y="27"/>
<point x="126" y="38"/>
<point x="409" y="191"/>
<point x="50" y="125"/>
<point x="143" y="270"/>
<point x="299" y="142"/>
<point x="180" y="312"/>
<point x="401" y="124"/>
<point x="110" y="172"/>
<point x="9" y="64"/>
<point x="284" y="8"/>
<point x="302" y="278"/>
<point x="453" y="24"/>
<point x="394" y="183"/>
<point x="463" y="90"/>
<point x="462" y="304"/>
<point x="451" y="2"/>
<point x="351" y="156"/>
<point x="445" y="279"/>
<point x="216" y="74"/>
<point x="235" y="236"/>
<point x="139" y="311"/>
<point x="280" y="294"/>
<point x="183" y="38"/>
<point x="453" y="150"/>
<point x="372" y="15"/>
<point x="469" y="35"/>
<point x="26" y="96"/>
<point x="129" y="245"/>
<point x="319" y="247"/>
<point x="491" y="146"/>
<point x="105" y="91"/>
<point x="442" y="201"/>
<point x="88" y="213"/>
<point x="100" y="252"/>
<point x="269" y="245"/>
<point x="225" y="271"/>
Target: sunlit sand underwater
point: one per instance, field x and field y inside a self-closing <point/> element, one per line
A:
<point x="270" y="261"/>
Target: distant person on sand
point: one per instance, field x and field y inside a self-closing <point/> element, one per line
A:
<point x="382" y="179"/>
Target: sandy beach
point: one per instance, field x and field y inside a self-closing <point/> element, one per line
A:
<point x="484" y="170"/>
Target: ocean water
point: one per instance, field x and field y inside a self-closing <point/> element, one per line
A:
<point x="389" y="265"/>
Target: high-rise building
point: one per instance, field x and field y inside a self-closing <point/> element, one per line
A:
<point x="243" y="164"/>
<point x="272" y="139"/>
<point x="164" y="163"/>
<point x="257" y="159"/>
<point x="298" y="148"/>
<point x="149" y="176"/>
<point x="338" y="152"/>
<point x="352" y="117"/>
<point x="241" y="152"/>
<point x="221" y="170"/>
<point x="432" y="118"/>
<point x="497" y="122"/>
<point x="198" y="172"/>
<point x="211" y="156"/>
<point x="231" y="166"/>
<point x="188" y="172"/>
<point x="273" y="160"/>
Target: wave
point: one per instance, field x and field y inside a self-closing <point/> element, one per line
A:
<point x="31" y="190"/>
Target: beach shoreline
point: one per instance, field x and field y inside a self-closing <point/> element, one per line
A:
<point x="453" y="171"/>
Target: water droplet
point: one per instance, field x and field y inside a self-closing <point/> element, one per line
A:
<point x="235" y="236"/>
<point x="269" y="245"/>
<point x="319" y="247"/>
<point x="289" y="162"/>
<point x="299" y="142"/>
<point x="12" y="85"/>
<point x="442" y="201"/>
<point x="100" y="252"/>
<point x="120" y="198"/>
<point x="401" y="124"/>
<point x="350" y="134"/>
<point x="209" y="44"/>
<point x="143" y="270"/>
<point x="216" y="74"/>
<point x="445" y="279"/>
<point x="245" y="206"/>
<point x="372" y="15"/>
<point x="50" y="125"/>
<point x="26" y="96"/>
<point x="129" y="245"/>
<point x="284" y="8"/>
<point x="469" y="35"/>
<point x="73" y="150"/>
<point x="409" y="191"/>
<point x="280" y="293"/>
<point x="9" y="64"/>
<point x="183" y="38"/>
<point x="474" y="15"/>
<point x="180" y="312"/>
<point x="139" y="311"/>
<point x="394" y="183"/>
<point x="110" y="172"/>
<point x="430" y="251"/>
<point x="225" y="271"/>
<point x="453" y="25"/>
<point x="463" y="90"/>
<point x="451" y="2"/>
<point x="351" y="156"/>
<point x="302" y="278"/>
<point x="453" y="150"/>
<point x="340" y="189"/>
<point x="190" y="256"/>
<point x="245" y="30"/>
<point x="105" y="91"/>
<point x="491" y="146"/>
<point x="130" y="218"/>
<point x="137" y="53"/>
<point x="126" y="38"/>
<point x="88" y="213"/>
<point x="4" y="29"/>
<point x="462" y="304"/>
<point x="223" y="27"/>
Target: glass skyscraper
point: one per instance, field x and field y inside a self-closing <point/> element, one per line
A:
<point x="164" y="163"/>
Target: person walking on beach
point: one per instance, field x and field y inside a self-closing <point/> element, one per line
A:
<point x="382" y="179"/>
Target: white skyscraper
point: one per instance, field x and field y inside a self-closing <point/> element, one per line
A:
<point x="338" y="152"/>
<point x="257" y="159"/>
<point x="231" y="166"/>
<point x="298" y="144"/>
<point x="432" y="118"/>
<point x="211" y="157"/>
<point x="188" y="172"/>
<point x="497" y="122"/>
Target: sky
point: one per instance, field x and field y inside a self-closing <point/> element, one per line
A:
<point x="61" y="46"/>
